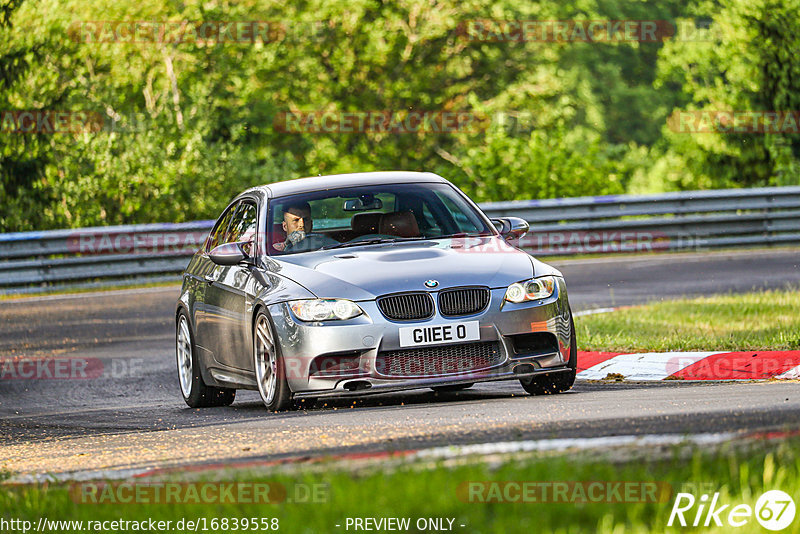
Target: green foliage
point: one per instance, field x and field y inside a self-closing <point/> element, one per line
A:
<point x="547" y="163"/>
<point x="188" y="125"/>
<point x="746" y="60"/>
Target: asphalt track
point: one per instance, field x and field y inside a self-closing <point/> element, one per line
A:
<point x="132" y="416"/>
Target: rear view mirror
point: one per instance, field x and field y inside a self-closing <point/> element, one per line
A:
<point x="363" y="203"/>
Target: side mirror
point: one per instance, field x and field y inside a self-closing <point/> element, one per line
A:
<point x="228" y="254"/>
<point x="511" y="227"/>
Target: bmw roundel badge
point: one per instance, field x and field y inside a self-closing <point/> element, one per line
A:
<point x="431" y="283"/>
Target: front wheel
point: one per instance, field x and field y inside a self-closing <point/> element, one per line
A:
<point x="195" y="392"/>
<point x="269" y="368"/>
<point x="549" y="384"/>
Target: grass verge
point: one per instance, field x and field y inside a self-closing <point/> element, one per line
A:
<point x="91" y="289"/>
<point x="739" y="474"/>
<point x="766" y="320"/>
<point x="672" y="254"/>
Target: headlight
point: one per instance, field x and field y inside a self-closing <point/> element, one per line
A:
<point x="325" y="309"/>
<point x="535" y="289"/>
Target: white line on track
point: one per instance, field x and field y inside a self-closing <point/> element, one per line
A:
<point x="78" y="476"/>
<point x="438" y="453"/>
<point x="573" y="443"/>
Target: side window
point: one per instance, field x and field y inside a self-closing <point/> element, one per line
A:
<point x="217" y="235"/>
<point x="243" y="225"/>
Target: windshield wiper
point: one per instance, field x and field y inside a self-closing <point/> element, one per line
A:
<point x="373" y="241"/>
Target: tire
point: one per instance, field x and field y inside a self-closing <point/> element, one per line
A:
<point x="268" y="366"/>
<point x="450" y="389"/>
<point x="550" y="384"/>
<point x="195" y="392"/>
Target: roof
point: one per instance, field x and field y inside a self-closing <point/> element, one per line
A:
<point x="336" y="181"/>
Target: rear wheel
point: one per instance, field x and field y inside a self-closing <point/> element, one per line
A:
<point x="560" y="382"/>
<point x="269" y="367"/>
<point x="195" y="392"/>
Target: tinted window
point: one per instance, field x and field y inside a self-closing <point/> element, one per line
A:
<point x="243" y="225"/>
<point x="218" y="233"/>
<point x="460" y="216"/>
<point x="329" y="213"/>
<point x="387" y="212"/>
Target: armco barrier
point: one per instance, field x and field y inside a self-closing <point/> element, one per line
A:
<point x="692" y="220"/>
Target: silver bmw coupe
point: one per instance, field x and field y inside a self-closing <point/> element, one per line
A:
<point x="367" y="283"/>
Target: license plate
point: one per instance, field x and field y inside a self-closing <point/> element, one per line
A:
<point x="438" y="334"/>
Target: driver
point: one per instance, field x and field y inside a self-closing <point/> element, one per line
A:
<point x="297" y="224"/>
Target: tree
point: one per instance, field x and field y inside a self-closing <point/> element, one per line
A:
<point x="745" y="60"/>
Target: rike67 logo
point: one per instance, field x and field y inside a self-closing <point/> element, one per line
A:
<point x="774" y="510"/>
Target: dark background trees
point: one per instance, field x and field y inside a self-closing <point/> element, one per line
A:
<point x="187" y="125"/>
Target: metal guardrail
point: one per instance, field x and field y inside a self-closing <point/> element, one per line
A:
<point x="690" y="220"/>
<point x="694" y="220"/>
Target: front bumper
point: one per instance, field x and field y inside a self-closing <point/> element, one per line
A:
<point x="364" y="341"/>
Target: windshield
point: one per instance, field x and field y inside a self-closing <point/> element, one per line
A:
<point x="364" y="215"/>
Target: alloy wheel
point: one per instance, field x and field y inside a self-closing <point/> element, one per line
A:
<point x="266" y="363"/>
<point x="184" y="355"/>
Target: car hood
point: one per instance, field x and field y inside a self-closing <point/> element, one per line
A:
<point x="366" y="272"/>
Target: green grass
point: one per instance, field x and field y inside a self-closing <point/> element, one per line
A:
<point x="768" y="320"/>
<point x="672" y="254"/>
<point x="79" y="290"/>
<point x="739" y="474"/>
